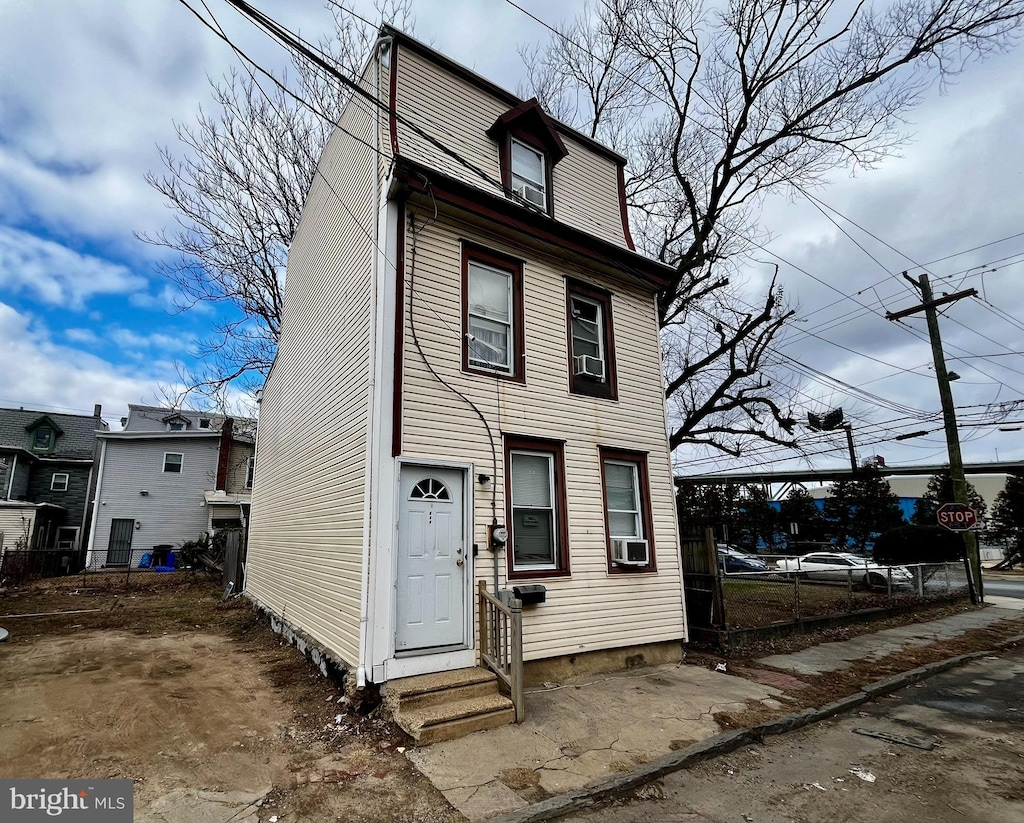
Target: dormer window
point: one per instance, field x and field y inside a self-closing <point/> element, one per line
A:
<point x="529" y="180"/>
<point x="528" y="149"/>
<point x="176" y="422"/>
<point x="42" y="439"/>
<point x="43" y="433"/>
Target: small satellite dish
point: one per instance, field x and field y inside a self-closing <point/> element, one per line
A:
<point x="3" y="635"/>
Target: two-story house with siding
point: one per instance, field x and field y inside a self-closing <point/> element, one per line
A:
<point x="467" y="389"/>
<point x="47" y="475"/>
<point x="170" y="475"/>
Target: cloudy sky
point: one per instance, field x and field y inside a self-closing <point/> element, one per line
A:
<point x="91" y="90"/>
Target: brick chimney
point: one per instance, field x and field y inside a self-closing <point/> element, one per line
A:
<point x="225" y="452"/>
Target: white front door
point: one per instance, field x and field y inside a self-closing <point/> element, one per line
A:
<point x="432" y="562"/>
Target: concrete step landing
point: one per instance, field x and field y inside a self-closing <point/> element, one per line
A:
<point x="448" y="705"/>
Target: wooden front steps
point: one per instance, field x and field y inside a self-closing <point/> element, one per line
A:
<point x="447" y="705"/>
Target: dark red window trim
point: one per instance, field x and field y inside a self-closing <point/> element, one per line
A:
<point x="399" y="364"/>
<point x="505" y="159"/>
<point x="639" y="459"/>
<point x="471" y="251"/>
<point x="556" y="448"/>
<point x="623" y="211"/>
<point x="584" y="385"/>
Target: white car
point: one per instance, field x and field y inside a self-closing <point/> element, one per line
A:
<point x="842" y="566"/>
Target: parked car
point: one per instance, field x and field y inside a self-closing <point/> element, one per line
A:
<point x="731" y="559"/>
<point x="844" y="566"/>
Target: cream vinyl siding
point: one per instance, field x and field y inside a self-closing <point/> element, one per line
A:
<point x="592" y="609"/>
<point x="306" y="533"/>
<point x="16" y="523"/>
<point x="585" y="184"/>
<point x="238" y="461"/>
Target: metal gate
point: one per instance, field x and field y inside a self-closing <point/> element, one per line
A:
<point x="119" y="550"/>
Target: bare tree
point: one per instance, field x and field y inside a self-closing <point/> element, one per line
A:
<point x="717" y="107"/>
<point x="236" y="183"/>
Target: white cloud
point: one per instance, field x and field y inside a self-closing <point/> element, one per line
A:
<point x="57" y="275"/>
<point x="128" y="339"/>
<point x="39" y="372"/>
<point x="82" y="336"/>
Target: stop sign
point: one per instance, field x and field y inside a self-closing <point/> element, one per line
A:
<point x="957" y="517"/>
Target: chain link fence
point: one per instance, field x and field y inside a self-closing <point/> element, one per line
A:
<point x="745" y="600"/>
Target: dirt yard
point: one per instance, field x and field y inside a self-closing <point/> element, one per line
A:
<point x="215" y="718"/>
<point x="197" y="701"/>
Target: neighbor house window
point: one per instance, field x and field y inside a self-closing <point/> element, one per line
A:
<point x="173" y="462"/>
<point x="627" y="504"/>
<point x="529" y="176"/>
<point x="59" y="482"/>
<point x="204" y="422"/>
<point x="42" y="439"/>
<point x="538" y="531"/>
<point x="250" y="472"/>
<point x="591" y="344"/>
<point x="492" y="313"/>
<point x="176" y="426"/>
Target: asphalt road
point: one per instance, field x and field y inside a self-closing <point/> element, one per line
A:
<point x="1003" y="587"/>
<point x="974" y="717"/>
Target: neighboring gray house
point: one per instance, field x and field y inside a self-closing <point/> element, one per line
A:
<point x="171" y="475"/>
<point x="47" y="473"/>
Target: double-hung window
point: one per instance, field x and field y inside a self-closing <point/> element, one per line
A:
<point x="173" y="462"/>
<point x="59" y="482"/>
<point x="529" y="177"/>
<point x="627" y="505"/>
<point x="591" y="344"/>
<point x="492" y="313"/>
<point x="538" y="534"/>
<point x="250" y="472"/>
<point x="42" y="439"/>
<point x="622" y="490"/>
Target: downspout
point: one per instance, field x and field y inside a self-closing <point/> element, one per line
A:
<point x="10" y="482"/>
<point x="96" y="504"/>
<point x="368" y="524"/>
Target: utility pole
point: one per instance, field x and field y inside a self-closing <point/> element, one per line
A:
<point x="956" y="461"/>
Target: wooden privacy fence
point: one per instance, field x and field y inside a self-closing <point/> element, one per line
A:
<point x="501" y="643"/>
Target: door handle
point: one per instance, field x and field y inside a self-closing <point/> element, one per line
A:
<point x="460" y="562"/>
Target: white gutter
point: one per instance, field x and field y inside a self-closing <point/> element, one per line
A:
<point x="96" y="504"/>
<point x="371" y="440"/>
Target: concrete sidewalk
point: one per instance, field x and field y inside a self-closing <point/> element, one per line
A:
<point x="589" y="729"/>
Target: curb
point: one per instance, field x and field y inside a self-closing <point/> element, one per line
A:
<point x="593" y="794"/>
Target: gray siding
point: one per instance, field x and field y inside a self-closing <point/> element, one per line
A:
<point x="74" y="500"/>
<point x="173" y="511"/>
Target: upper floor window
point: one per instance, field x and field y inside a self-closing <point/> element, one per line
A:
<point x="529" y="176"/>
<point x="204" y="422"/>
<point x="537" y="509"/>
<point x="591" y="344"/>
<point x="59" y="482"/>
<point x="43" y="439"/>
<point x="492" y="313"/>
<point x="173" y="462"/>
<point x="250" y="472"/>
<point x="529" y="148"/>
<point x="176" y="426"/>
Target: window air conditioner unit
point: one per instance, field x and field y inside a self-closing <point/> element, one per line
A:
<point x="630" y="552"/>
<point x="531" y="194"/>
<point x="588" y="366"/>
